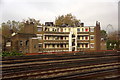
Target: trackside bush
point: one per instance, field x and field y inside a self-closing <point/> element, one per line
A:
<point x="13" y="53"/>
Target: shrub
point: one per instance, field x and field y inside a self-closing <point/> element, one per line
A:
<point x="13" y="53"/>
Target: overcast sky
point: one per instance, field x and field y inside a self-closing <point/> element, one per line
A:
<point x="88" y="11"/>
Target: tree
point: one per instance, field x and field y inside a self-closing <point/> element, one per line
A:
<point x="113" y="40"/>
<point x="103" y="34"/>
<point x="36" y="22"/>
<point x="30" y="21"/>
<point x="68" y="20"/>
<point x="113" y="35"/>
<point x="6" y="31"/>
<point x="15" y="26"/>
<point x="10" y="27"/>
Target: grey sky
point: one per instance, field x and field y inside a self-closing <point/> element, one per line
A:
<point x="88" y="11"/>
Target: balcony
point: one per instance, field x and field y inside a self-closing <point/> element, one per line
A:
<point x="49" y="49"/>
<point x="80" y="41"/>
<point x="56" y="41"/>
<point x="55" y="32"/>
<point x="82" y="32"/>
<point x="73" y="44"/>
<point x="73" y="35"/>
<point x="83" y="49"/>
<point x="41" y="32"/>
<point x="73" y="40"/>
<point x="57" y="35"/>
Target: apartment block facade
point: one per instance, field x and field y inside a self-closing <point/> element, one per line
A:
<point x="49" y="38"/>
<point x="57" y="39"/>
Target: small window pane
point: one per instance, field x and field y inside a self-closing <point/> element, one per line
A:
<point x="92" y="45"/>
<point x="92" y="37"/>
<point x="86" y="29"/>
<point x="21" y="43"/>
<point x="92" y="29"/>
<point x="78" y="29"/>
<point x="39" y="29"/>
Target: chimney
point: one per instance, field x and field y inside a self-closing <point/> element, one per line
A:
<point x="82" y="24"/>
<point x="31" y="22"/>
<point x="49" y="23"/>
<point x="97" y="23"/>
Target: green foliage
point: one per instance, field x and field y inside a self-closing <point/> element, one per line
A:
<point x="68" y="19"/>
<point x="13" y="53"/>
<point x="103" y="34"/>
<point x="113" y="44"/>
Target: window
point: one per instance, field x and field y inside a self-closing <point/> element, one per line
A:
<point x="21" y="43"/>
<point x="86" y="45"/>
<point x="53" y="45"/>
<point x="91" y="29"/>
<point x="58" y="29"/>
<point x="35" y="46"/>
<point x="39" y="29"/>
<point x="65" y="45"/>
<point x="78" y="29"/>
<point x="73" y="40"/>
<point x="48" y="29"/>
<point x="82" y="37"/>
<point x="57" y="38"/>
<point x="52" y="29"/>
<point x="73" y="49"/>
<point x="65" y="38"/>
<point x="92" y="45"/>
<point x="73" y="43"/>
<point x="82" y="45"/>
<point x="65" y="29"/>
<point x="86" y="29"/>
<point x="61" y="45"/>
<point x="45" y="37"/>
<point x="69" y="29"/>
<point x="61" y="30"/>
<point x="40" y="45"/>
<point x="86" y="37"/>
<point x="39" y="36"/>
<point x="73" y="35"/>
<point x="45" y="46"/>
<point x="91" y="37"/>
<point x="48" y="45"/>
<point x="57" y="45"/>
<point x="48" y="38"/>
<point x="27" y="42"/>
<point x="82" y="29"/>
<point x="45" y="29"/>
<point x="8" y="44"/>
<point x="55" y="29"/>
<point x="78" y="45"/>
<point x="61" y="38"/>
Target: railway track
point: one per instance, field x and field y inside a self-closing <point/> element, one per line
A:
<point x="62" y="67"/>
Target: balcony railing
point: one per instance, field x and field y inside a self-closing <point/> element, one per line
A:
<point x="55" y="32"/>
<point x="83" y="49"/>
<point x="62" y="48"/>
<point x="53" y="41"/>
<point x="83" y="40"/>
<point x="82" y="32"/>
